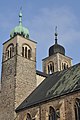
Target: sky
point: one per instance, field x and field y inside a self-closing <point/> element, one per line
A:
<point x="41" y="17"/>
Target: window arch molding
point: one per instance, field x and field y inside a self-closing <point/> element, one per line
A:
<point x="77" y="109"/>
<point x="64" y="65"/>
<point x="50" y="67"/>
<point x="11" y="44"/>
<point x="26" y="45"/>
<point x="26" y="51"/>
<point x="28" y="117"/>
<point x="52" y="113"/>
<point x="10" y="50"/>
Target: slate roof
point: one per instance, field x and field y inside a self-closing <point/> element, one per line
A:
<point x="56" y="85"/>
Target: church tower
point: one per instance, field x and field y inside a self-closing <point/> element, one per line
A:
<point x="56" y="61"/>
<point x="18" y="70"/>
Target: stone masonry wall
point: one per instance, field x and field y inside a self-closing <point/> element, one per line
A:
<point x="46" y="62"/>
<point x="18" y="81"/>
<point x="57" y="59"/>
<point x="25" y="71"/>
<point x="25" y="79"/>
<point x="7" y="90"/>
<point x="64" y="104"/>
<point x="18" y="76"/>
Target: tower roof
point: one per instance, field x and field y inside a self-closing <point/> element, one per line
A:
<point x="23" y="31"/>
<point x="56" y="48"/>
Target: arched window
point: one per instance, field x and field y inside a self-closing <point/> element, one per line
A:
<point x="53" y="67"/>
<point x="77" y="109"/>
<point x="10" y="51"/>
<point x="64" y="65"/>
<point x="52" y="114"/>
<point x="28" y="117"/>
<point x="67" y="66"/>
<point x="26" y="51"/>
<point x="29" y="53"/>
<point x="50" y="67"/>
<point x="23" y="51"/>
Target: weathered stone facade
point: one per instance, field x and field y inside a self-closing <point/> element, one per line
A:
<point x="7" y="89"/>
<point x="64" y="104"/>
<point x="19" y="79"/>
<point x="18" y="76"/>
<point x="58" y="61"/>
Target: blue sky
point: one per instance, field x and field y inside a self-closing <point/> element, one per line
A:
<point x="41" y="17"/>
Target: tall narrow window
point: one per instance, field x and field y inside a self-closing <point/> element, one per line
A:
<point x="28" y="117"/>
<point x="67" y="66"/>
<point x="77" y="109"/>
<point x="50" y="67"/>
<point x="29" y="53"/>
<point x="25" y="52"/>
<point x="10" y="52"/>
<point x="53" y="67"/>
<point x="12" y="49"/>
<point x="52" y="114"/>
<point x="76" y="115"/>
<point x="64" y="66"/>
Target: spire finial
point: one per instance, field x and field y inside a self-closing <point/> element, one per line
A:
<point x="20" y="16"/>
<point x="56" y="34"/>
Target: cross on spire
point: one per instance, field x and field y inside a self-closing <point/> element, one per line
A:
<point x="56" y="34"/>
<point x="20" y="16"/>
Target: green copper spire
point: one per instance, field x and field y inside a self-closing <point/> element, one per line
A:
<point x="20" y="16"/>
<point x="20" y="30"/>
